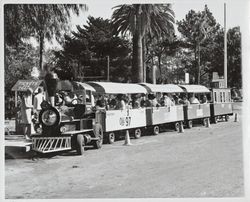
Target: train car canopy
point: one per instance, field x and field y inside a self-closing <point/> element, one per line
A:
<point x="73" y="86"/>
<point x="195" y="88"/>
<point x="117" y="88"/>
<point x="163" y="88"/>
<point x="86" y="86"/>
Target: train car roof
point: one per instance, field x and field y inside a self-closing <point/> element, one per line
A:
<point x="73" y="85"/>
<point x="195" y="88"/>
<point x="163" y="88"/>
<point x="86" y="86"/>
<point x="117" y="88"/>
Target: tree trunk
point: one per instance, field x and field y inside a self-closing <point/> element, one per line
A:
<point x="41" y="37"/>
<point x="199" y="65"/>
<point x="195" y="78"/>
<point x="144" y="59"/>
<point x="160" y="70"/>
<point x="137" y="62"/>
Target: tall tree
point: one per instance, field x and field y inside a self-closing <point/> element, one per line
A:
<point x="42" y="21"/>
<point x="16" y="28"/>
<point x="198" y="29"/>
<point x="86" y="51"/>
<point x="19" y="63"/>
<point x="234" y="57"/>
<point x="139" y="20"/>
<point x="161" y="51"/>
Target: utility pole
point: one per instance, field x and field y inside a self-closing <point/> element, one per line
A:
<point x="108" y="68"/>
<point x="154" y="74"/>
<point x="199" y="63"/>
<point x="144" y="61"/>
<point x="225" y="47"/>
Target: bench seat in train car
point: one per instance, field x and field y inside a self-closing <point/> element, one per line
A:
<point x="116" y="121"/>
<point x="164" y="115"/>
<point x="196" y="111"/>
<point x="119" y="120"/>
<point x="157" y="116"/>
<point x="221" y="109"/>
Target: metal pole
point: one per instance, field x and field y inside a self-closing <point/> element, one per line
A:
<point x="16" y="98"/>
<point x="225" y="47"/>
<point x="108" y="68"/>
<point x="154" y="74"/>
<point x="199" y="64"/>
<point x="144" y="61"/>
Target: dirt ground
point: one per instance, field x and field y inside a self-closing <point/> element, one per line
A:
<point x="201" y="162"/>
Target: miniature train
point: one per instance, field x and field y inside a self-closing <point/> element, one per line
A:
<point x="72" y="127"/>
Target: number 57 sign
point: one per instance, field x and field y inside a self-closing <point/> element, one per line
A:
<point x="122" y="119"/>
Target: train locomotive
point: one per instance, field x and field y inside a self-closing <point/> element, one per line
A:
<point x="69" y="126"/>
<point x="79" y="124"/>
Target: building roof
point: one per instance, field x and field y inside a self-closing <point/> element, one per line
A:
<point x="24" y="85"/>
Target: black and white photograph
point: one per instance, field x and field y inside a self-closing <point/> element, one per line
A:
<point x="125" y="100"/>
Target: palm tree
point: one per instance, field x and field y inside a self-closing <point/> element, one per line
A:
<point x="155" y="20"/>
<point x="42" y="21"/>
<point x="50" y="20"/>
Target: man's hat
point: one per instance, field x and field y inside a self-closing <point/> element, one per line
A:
<point x="29" y="90"/>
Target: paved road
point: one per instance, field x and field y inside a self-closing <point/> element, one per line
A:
<point x="202" y="162"/>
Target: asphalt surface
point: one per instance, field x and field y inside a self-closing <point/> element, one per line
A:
<point x="201" y="162"/>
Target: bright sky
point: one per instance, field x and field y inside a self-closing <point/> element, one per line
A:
<point x="180" y="8"/>
<point x="234" y="10"/>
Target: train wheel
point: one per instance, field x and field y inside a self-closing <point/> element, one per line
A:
<point x="204" y="122"/>
<point x="137" y="133"/>
<point x="226" y="117"/>
<point x="80" y="144"/>
<point x="177" y="126"/>
<point x="215" y="119"/>
<point x="111" y="138"/>
<point x="190" y="124"/>
<point x="98" y="133"/>
<point x="156" y="130"/>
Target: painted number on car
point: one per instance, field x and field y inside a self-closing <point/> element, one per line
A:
<point x="125" y="121"/>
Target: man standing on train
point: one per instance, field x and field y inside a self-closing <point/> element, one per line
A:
<point x="38" y="99"/>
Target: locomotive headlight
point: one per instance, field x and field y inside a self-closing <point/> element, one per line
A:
<point x="49" y="117"/>
<point x="63" y="129"/>
<point x="39" y="130"/>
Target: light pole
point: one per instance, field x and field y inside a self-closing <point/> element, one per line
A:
<point x="108" y="68"/>
<point x="225" y="47"/>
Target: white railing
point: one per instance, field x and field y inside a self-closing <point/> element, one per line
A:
<point x="51" y="144"/>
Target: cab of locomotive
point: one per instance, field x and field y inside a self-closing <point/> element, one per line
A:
<point x="70" y="108"/>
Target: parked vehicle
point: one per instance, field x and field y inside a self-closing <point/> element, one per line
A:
<point x="236" y="95"/>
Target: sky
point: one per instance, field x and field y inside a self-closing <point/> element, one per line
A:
<point x="234" y="11"/>
<point x="104" y="9"/>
